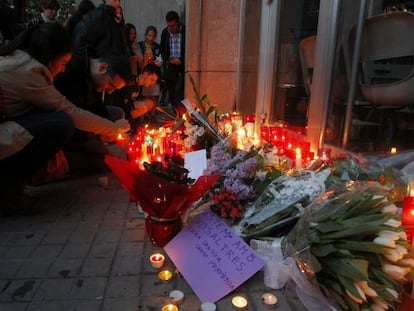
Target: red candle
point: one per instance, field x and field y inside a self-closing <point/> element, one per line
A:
<point x="407" y="217"/>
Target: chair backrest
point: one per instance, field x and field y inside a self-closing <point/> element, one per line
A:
<point x="386" y="59"/>
<point x="307" y="48"/>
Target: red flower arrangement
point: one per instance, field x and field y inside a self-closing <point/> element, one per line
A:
<point x="163" y="200"/>
<point x="227" y="205"/>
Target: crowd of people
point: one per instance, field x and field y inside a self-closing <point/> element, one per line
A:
<point x="72" y="88"/>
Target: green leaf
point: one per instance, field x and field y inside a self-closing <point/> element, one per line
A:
<point x="361" y="246"/>
<point x="356" y="269"/>
<point x="329" y="226"/>
<point x="321" y="250"/>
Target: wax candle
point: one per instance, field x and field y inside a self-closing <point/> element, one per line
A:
<point x="298" y="159"/>
<point x="176" y="297"/>
<point x="407" y="217"/>
<point x="393" y="150"/>
<point x="208" y="306"/>
<point x="239" y="303"/>
<point x="165" y="275"/>
<point x="269" y="300"/>
<point x="169" y="307"/>
<point x="120" y="140"/>
<point x="157" y="260"/>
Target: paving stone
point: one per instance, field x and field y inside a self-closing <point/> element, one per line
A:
<point x="88" y="288"/>
<point x="19" y="290"/>
<point x="75" y="250"/>
<point x="15" y="306"/>
<point x="47" y="251"/>
<point x="54" y="289"/>
<point x="66" y="267"/>
<point x="18" y="252"/>
<point x="123" y="286"/>
<point x="33" y="268"/>
<point x="96" y="267"/>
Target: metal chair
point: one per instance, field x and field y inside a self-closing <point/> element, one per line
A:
<point x="386" y="75"/>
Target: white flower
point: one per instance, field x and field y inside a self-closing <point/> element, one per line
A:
<point x="393" y="223"/>
<point x="356" y="299"/>
<point x="392" y="292"/>
<point x="375" y="307"/>
<point x="396" y="253"/>
<point x="366" y="289"/>
<point x="395" y="272"/>
<point x="380" y="303"/>
<point x="407" y="262"/>
<point x="387" y="238"/>
<point x="390" y="209"/>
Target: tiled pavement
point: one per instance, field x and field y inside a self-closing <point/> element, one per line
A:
<point x="85" y="249"/>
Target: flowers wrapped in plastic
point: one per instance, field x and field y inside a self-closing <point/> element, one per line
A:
<point x="163" y="200"/>
<point x="347" y="251"/>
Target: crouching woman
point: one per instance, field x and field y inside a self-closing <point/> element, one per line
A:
<point x="37" y="120"/>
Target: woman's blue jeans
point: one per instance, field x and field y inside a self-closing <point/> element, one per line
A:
<point x="50" y="130"/>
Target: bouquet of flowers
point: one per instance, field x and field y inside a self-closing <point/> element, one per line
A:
<point x="353" y="248"/>
<point x="163" y="193"/>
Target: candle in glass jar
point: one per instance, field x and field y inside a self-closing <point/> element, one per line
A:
<point x="157" y="260"/>
<point x="239" y="303"/>
<point x="165" y="275"/>
<point x="407" y="217"/>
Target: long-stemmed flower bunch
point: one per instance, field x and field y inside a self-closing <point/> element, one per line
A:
<point x="355" y="247"/>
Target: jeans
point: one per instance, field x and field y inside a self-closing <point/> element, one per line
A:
<point x="50" y="130"/>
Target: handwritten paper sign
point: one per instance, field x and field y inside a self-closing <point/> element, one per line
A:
<point x="213" y="260"/>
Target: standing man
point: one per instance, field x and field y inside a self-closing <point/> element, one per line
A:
<point x="172" y="48"/>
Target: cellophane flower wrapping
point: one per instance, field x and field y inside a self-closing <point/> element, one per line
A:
<point x="157" y="196"/>
<point x="353" y="248"/>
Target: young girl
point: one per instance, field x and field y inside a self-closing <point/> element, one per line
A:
<point x="151" y="55"/>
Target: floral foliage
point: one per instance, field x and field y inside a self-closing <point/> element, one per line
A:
<point x="355" y="247"/>
<point x="227" y="205"/>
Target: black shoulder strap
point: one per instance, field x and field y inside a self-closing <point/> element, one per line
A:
<point x="3" y="112"/>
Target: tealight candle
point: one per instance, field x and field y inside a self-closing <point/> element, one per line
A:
<point x="239" y="303"/>
<point x="169" y="307"/>
<point x="269" y="300"/>
<point x="208" y="306"/>
<point x="165" y="275"/>
<point x="393" y="150"/>
<point x="157" y="260"/>
<point x="176" y="297"/>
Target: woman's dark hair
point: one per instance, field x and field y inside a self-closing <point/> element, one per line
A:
<point x="84" y="7"/>
<point x="151" y="28"/>
<point x="44" y="42"/>
<point x="128" y="27"/>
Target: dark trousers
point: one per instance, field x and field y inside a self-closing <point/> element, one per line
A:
<point x="50" y="130"/>
<point x="173" y="85"/>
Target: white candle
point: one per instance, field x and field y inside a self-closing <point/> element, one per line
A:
<point x="239" y="303"/>
<point x="208" y="306"/>
<point x="269" y="300"/>
<point x="298" y="160"/>
<point x="176" y="297"/>
<point x="157" y="260"/>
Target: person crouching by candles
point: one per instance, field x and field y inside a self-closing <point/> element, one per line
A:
<point x="86" y="82"/>
<point x="37" y="119"/>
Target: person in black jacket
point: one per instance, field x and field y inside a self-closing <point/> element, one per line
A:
<point x="172" y="48"/>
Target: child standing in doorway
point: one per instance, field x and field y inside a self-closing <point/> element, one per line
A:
<point x="151" y="55"/>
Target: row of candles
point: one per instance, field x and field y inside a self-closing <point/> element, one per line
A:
<point x="176" y="297"/>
